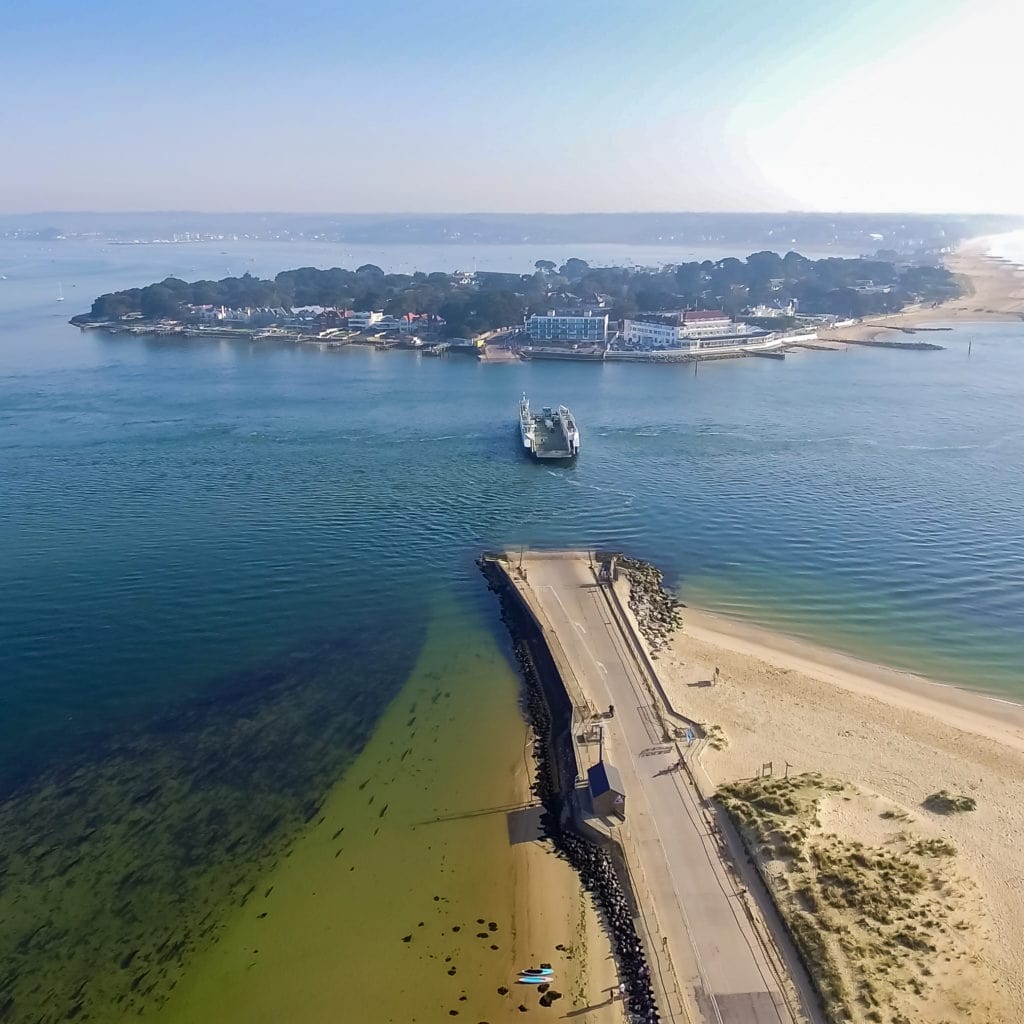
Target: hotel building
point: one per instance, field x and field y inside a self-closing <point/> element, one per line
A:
<point x="587" y="328"/>
<point x="688" y="331"/>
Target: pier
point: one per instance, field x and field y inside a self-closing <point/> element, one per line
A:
<point x="717" y="954"/>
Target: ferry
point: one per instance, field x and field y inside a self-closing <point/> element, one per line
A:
<point x="549" y="434"/>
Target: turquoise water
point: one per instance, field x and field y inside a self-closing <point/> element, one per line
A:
<point x="198" y="534"/>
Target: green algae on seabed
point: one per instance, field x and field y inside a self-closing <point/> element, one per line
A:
<point x="116" y="873"/>
<point x="391" y="906"/>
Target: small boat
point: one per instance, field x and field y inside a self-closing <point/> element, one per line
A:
<point x="535" y="979"/>
<point x="541" y="971"/>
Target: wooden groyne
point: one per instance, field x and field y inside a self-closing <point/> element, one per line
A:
<point x="910" y="346"/>
<point x="908" y="330"/>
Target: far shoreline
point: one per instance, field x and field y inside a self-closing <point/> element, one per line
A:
<point x="996" y="293"/>
<point x="498" y="338"/>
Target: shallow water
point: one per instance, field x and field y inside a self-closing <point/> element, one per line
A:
<point x="119" y="867"/>
<point x="222" y="561"/>
<point x="396" y="903"/>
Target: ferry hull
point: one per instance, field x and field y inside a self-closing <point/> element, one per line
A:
<point x="551" y="435"/>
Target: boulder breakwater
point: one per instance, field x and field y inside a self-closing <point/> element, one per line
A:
<point x="655" y="609"/>
<point x="597" y="860"/>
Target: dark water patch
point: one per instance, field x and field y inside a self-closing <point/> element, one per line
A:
<point x="117" y="870"/>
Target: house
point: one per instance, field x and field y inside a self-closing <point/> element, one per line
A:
<point x="360" y="320"/>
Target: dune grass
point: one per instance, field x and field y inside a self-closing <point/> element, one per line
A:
<point x="868" y="920"/>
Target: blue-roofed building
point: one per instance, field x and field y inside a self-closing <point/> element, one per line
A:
<point x="606" y="793"/>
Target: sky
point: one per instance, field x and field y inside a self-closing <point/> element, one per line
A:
<point x="511" y="105"/>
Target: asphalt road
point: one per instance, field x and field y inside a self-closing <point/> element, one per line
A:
<point x="719" y="963"/>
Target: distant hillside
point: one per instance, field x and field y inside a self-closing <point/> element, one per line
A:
<point x="862" y="233"/>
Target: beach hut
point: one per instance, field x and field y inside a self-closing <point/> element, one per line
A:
<point x="606" y="794"/>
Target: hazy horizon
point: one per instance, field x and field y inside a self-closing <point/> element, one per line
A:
<point x="451" y="107"/>
<point x="268" y="212"/>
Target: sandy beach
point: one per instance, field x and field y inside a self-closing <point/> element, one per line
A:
<point x="993" y="290"/>
<point x="422" y="885"/>
<point x="891" y="738"/>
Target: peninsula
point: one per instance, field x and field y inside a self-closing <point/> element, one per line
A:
<point x="990" y="289"/>
<point x="803" y="836"/>
<point x="705" y="309"/>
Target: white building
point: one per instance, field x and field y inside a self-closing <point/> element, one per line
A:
<point x="763" y="311"/>
<point x="704" y="323"/>
<point x="586" y="328"/>
<point x="689" y="331"/>
<point x="360" y="320"/>
<point x="650" y="334"/>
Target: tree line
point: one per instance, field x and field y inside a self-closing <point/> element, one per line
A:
<point x="485" y="300"/>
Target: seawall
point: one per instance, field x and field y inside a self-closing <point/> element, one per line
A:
<point x="598" y="859"/>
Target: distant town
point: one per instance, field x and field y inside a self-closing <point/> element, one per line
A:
<point x="841" y="233"/>
<point x="685" y="311"/>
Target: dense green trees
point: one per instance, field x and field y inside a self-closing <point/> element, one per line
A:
<point x="847" y="287"/>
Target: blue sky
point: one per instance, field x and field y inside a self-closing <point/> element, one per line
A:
<point x="432" y="105"/>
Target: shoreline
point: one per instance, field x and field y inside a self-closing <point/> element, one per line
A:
<point x="996" y="293"/>
<point x="993" y="291"/>
<point x="894" y="740"/>
<point x="907" y="688"/>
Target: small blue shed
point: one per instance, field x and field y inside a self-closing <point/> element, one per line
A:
<point x="606" y="794"/>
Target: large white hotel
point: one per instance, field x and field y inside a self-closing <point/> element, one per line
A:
<point x="688" y="331"/>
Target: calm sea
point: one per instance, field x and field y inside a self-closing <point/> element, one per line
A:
<point x="221" y="561"/>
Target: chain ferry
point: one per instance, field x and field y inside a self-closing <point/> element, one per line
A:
<point x="549" y="434"/>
